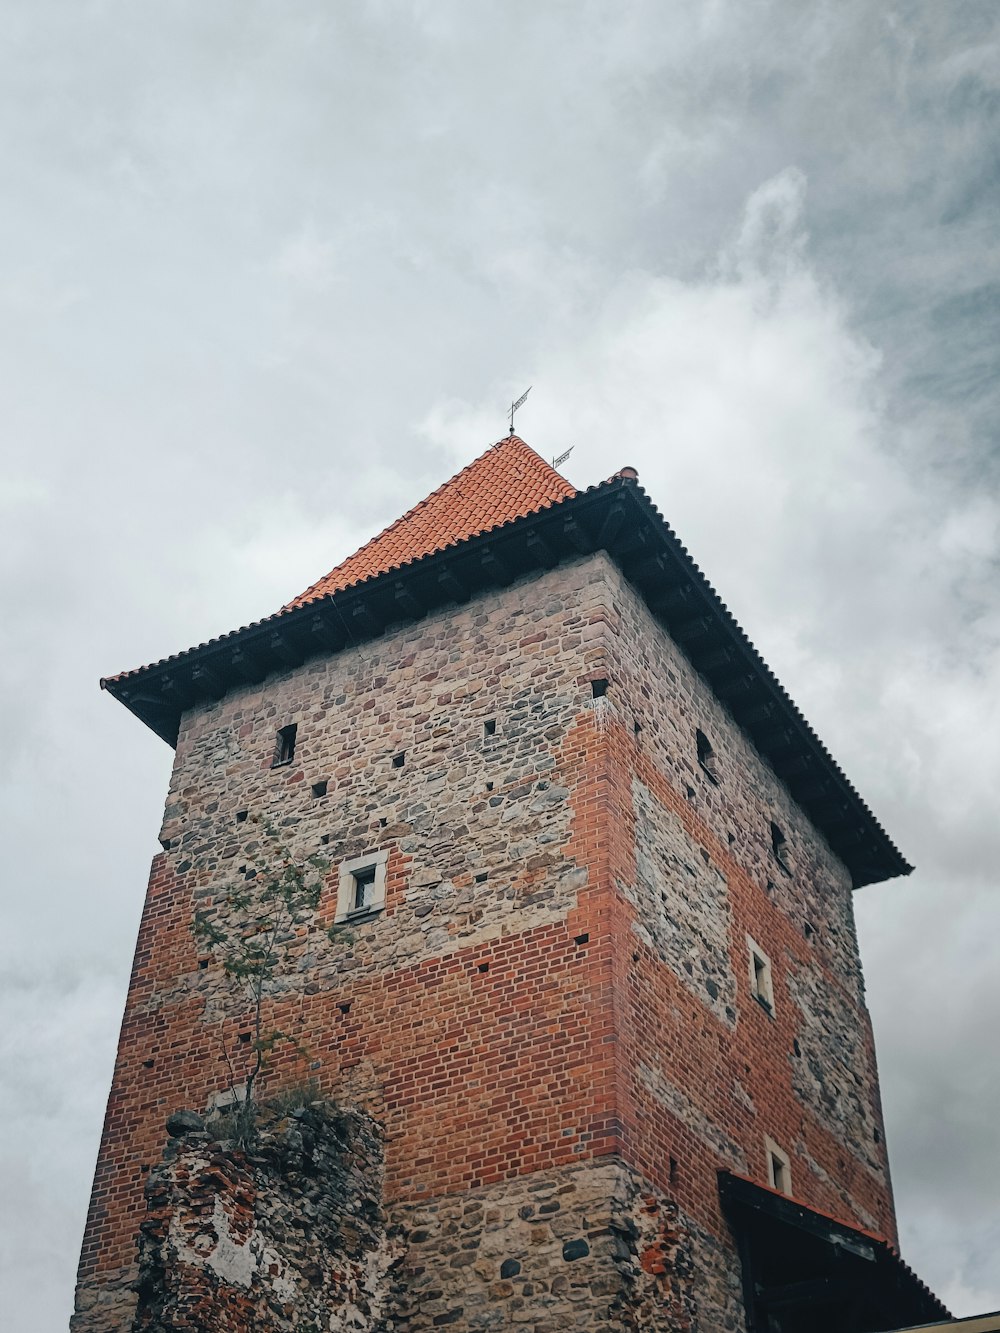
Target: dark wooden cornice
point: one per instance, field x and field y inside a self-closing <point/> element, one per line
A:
<point x="617" y="517"/>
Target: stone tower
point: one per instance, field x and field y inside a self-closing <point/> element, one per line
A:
<point x="596" y="1015"/>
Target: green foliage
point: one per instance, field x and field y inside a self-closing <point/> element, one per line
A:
<point x="252" y="932"/>
<point x="289" y="1099"/>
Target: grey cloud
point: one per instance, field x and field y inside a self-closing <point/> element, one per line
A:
<point x="269" y="273"/>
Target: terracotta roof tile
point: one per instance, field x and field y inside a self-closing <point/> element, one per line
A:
<point x="507" y="482"/>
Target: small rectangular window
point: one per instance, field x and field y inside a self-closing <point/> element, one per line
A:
<point x="779" y="1168"/>
<point x="760" y="976"/>
<point x="706" y="755"/>
<point x="364" y="889"/>
<point x="361" y="889"/>
<point x="490" y="727"/>
<point x="284" y="749"/>
<point x="780" y="848"/>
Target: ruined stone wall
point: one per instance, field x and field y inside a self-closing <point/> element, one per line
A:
<point x="288" y="1234"/>
<point x="707" y="1070"/>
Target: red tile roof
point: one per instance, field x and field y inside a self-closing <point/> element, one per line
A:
<point x="507" y="482"/>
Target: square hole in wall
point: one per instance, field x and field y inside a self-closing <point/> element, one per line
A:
<point x="599" y="688"/>
<point x="241" y="816"/>
<point x="398" y="760"/>
<point x="490" y="727"/>
<point x="320" y="788"/>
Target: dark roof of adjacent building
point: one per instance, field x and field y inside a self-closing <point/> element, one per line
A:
<point x="973" y="1323"/>
<point x="810" y="1266"/>
<point x="506" y="515"/>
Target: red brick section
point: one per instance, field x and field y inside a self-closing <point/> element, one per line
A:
<point x="657" y="1012"/>
<point x="505" y="483"/>
<point x="480" y="1076"/>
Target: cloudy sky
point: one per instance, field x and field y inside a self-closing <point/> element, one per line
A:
<point x="270" y="271"/>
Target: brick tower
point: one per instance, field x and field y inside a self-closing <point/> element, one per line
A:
<point x="598" y="997"/>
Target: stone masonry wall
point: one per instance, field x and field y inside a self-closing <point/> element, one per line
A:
<point x="291" y="1236"/>
<point x="578" y="1248"/>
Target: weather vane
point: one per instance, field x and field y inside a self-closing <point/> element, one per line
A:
<point x="515" y="406"/>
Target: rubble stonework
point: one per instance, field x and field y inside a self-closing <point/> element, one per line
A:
<point x="581" y="1248"/>
<point x="551" y="1017"/>
<point x="292" y="1235"/>
<point x="289" y="1234"/>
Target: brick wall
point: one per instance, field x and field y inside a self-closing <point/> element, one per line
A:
<point x="558" y="982"/>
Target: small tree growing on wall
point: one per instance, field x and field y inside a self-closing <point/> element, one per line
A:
<point x="252" y="932"/>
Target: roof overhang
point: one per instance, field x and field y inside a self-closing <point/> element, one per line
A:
<point x="975" y="1323"/>
<point x="617" y="517"/>
<point x="803" y="1270"/>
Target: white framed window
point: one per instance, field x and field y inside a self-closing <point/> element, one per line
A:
<point x="779" y="1168"/>
<point x="361" y="887"/>
<point x="760" y="976"/>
